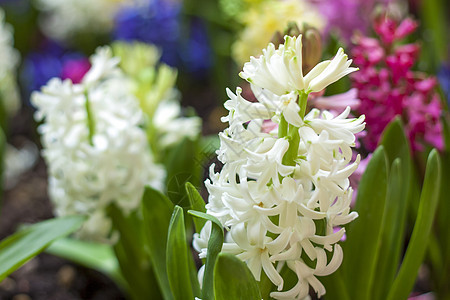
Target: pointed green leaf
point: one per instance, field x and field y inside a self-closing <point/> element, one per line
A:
<point x="394" y="221"/>
<point x="177" y="258"/>
<point x="92" y="255"/>
<point x="364" y="234"/>
<point x="233" y="279"/>
<point x="133" y="260"/>
<point x="415" y="252"/>
<point x="157" y="210"/>
<point x="214" y="247"/>
<point x="18" y="248"/>
<point x="181" y="168"/>
<point x="396" y="145"/>
<point x="197" y="204"/>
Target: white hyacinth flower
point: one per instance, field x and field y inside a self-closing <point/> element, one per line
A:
<point x="280" y="70"/>
<point x="96" y="150"/>
<point x="281" y="194"/>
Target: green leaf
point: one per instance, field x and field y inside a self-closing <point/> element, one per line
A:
<point x="435" y="27"/>
<point x="133" y="259"/>
<point x="415" y="252"/>
<point x="214" y="247"/>
<point x="197" y="204"/>
<point x="394" y="221"/>
<point x="92" y="255"/>
<point x="442" y="234"/>
<point x="396" y="145"/>
<point x="335" y="286"/>
<point x="364" y="234"/>
<point x="177" y="258"/>
<point x="157" y="210"/>
<point x="18" y="248"/>
<point x="233" y="279"/>
<point x="182" y="166"/>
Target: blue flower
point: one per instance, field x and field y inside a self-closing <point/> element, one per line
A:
<point x="40" y="66"/>
<point x="444" y="79"/>
<point x="196" y="54"/>
<point x="155" y="22"/>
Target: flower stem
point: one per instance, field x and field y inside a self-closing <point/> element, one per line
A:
<point x="90" y="119"/>
<point x="282" y="127"/>
<point x="302" y="101"/>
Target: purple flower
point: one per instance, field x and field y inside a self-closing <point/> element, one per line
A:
<point x="344" y="17"/>
<point x="50" y="61"/>
<point x="388" y="87"/>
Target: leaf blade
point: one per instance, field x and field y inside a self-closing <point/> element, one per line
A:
<point x="214" y="247"/>
<point x="157" y="210"/>
<point x="233" y="279"/>
<point x="18" y="248"/>
<point x="364" y="234"/>
<point x="177" y="258"/>
<point x="197" y="204"/>
<point x="417" y="246"/>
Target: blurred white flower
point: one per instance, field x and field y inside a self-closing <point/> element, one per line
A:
<point x="96" y="151"/>
<point x="283" y="215"/>
<point x="171" y="127"/>
<point x="18" y="161"/>
<point x="62" y="19"/>
<point x="9" y="60"/>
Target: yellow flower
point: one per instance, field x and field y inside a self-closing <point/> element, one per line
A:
<point x="265" y="18"/>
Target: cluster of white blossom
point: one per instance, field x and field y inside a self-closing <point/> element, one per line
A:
<point x="283" y="188"/>
<point x="96" y="150"/>
<point x="64" y="18"/>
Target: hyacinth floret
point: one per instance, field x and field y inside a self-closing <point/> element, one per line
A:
<point x="94" y="144"/>
<point x="284" y="188"/>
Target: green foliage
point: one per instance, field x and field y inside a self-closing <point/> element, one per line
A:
<point x="364" y="234"/>
<point x="133" y="259"/>
<point x="394" y="221"/>
<point x="157" y="210"/>
<point x="435" y="31"/>
<point x="182" y="166"/>
<point x="422" y="228"/>
<point x="18" y="248"/>
<point x="374" y="246"/>
<point x="196" y="203"/>
<point x="441" y="268"/>
<point x="92" y="255"/>
<point x="177" y="258"/>
<point x="214" y="247"/>
<point x="233" y="280"/>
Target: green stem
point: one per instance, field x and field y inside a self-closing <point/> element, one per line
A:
<point x="282" y="127"/>
<point x="302" y="101"/>
<point x="90" y="119"/>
